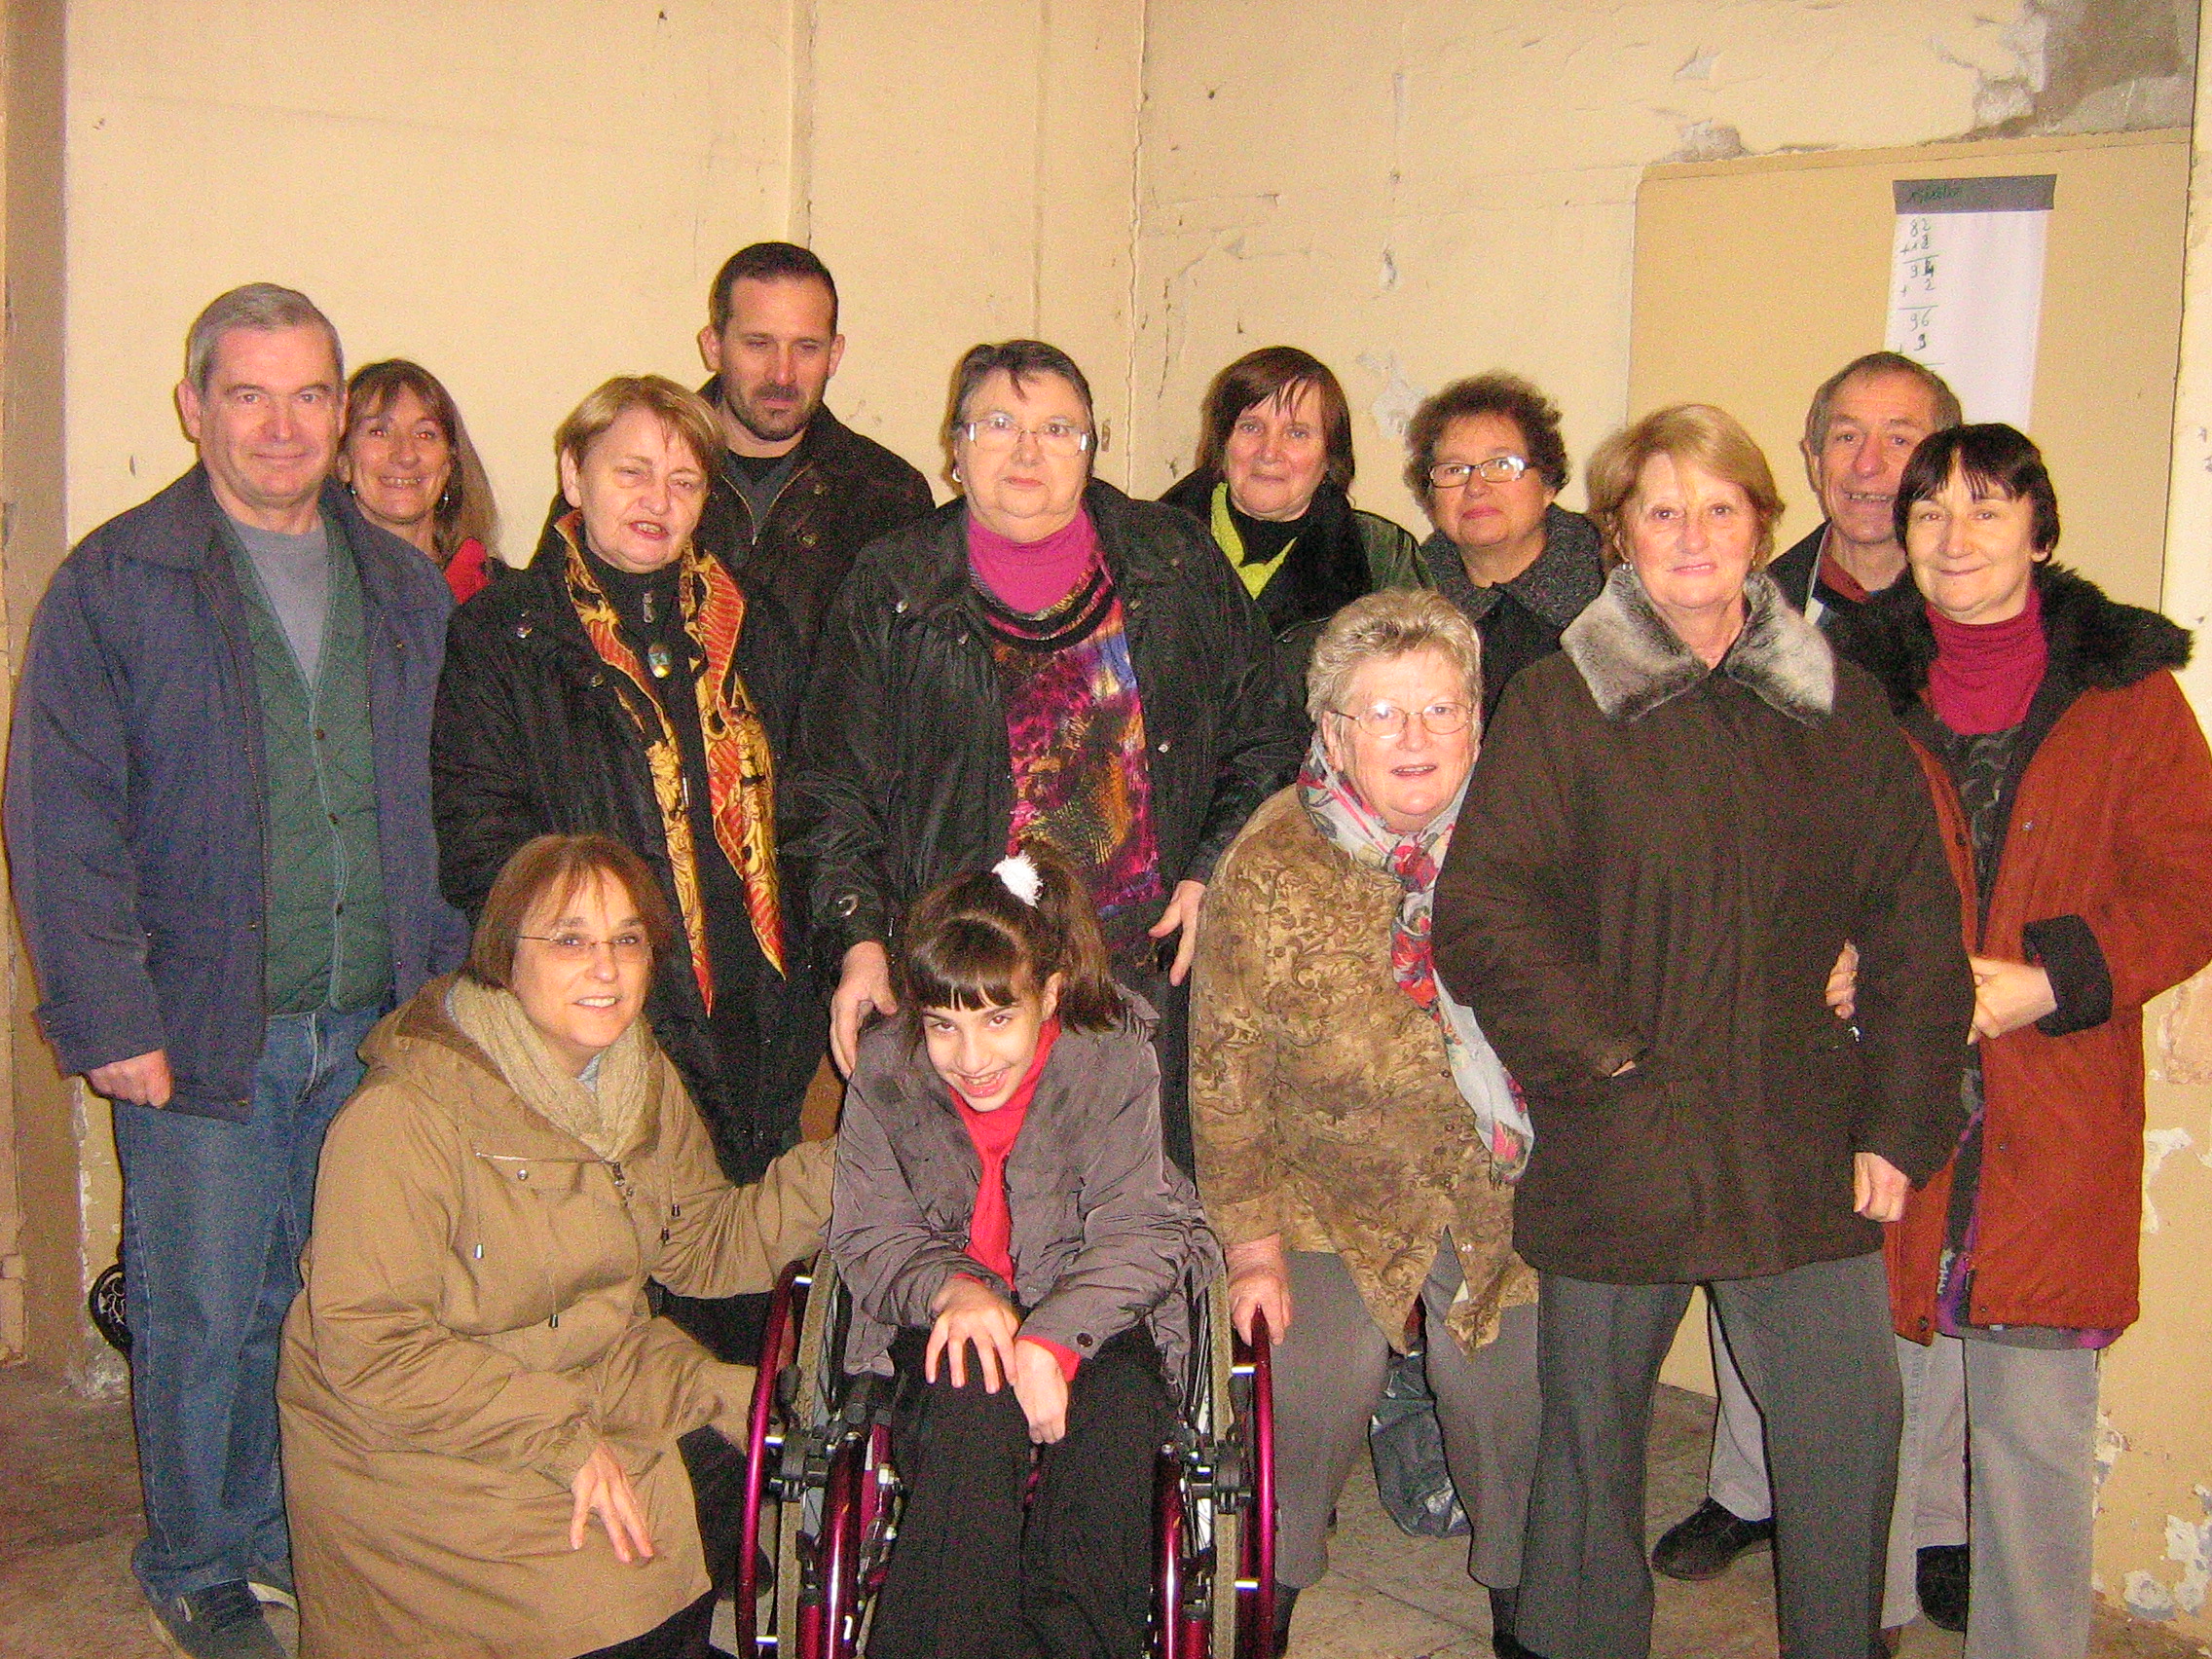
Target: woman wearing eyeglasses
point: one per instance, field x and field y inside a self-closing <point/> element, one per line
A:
<point x="1485" y="457"/>
<point x="1357" y="1137"/>
<point x="1043" y="656"/>
<point x="490" y="1445"/>
<point x="1677" y="822"/>
<point x="626" y="685"/>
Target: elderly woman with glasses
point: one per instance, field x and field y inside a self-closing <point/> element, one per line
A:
<point x="1043" y="656"/>
<point x="1357" y="1137"/>
<point x="1677" y="822"/>
<point x="1485" y="457"/>
<point x="490" y="1445"/>
<point x="1274" y="466"/>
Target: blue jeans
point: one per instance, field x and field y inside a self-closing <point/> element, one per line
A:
<point x="214" y="1217"/>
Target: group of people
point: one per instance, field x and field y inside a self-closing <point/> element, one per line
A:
<point x="1471" y="944"/>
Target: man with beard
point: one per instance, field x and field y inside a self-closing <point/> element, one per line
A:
<point x="799" y="492"/>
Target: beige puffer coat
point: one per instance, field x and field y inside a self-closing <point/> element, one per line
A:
<point x="1321" y="1100"/>
<point x="474" y="1321"/>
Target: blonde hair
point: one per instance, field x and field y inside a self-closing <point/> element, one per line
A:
<point x="1394" y="622"/>
<point x="1686" y="433"/>
<point x="680" y="411"/>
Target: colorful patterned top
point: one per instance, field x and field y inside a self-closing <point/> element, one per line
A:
<point x="1075" y="729"/>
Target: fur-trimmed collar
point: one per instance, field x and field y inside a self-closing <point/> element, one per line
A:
<point x="2093" y="642"/>
<point x="1631" y="660"/>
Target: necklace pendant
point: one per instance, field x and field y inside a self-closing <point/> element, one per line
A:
<point x="649" y="601"/>
<point x="657" y="659"/>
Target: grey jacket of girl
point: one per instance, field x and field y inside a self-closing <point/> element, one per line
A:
<point x="1106" y="1230"/>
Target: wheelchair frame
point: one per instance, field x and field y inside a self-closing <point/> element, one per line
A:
<point x="818" y="1451"/>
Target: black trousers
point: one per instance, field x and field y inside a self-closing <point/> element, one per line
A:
<point x="683" y="1637"/>
<point x="1006" y="1555"/>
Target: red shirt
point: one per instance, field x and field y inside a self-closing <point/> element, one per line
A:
<point x="990" y="1231"/>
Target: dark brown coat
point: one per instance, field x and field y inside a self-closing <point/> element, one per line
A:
<point x="1658" y="864"/>
<point x="2100" y="878"/>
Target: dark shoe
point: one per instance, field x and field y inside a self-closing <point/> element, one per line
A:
<point x="221" y="1622"/>
<point x="1941" y="1577"/>
<point x="1278" y="1638"/>
<point x="1704" y="1543"/>
<point x="273" y="1586"/>
<point x="1504" y="1618"/>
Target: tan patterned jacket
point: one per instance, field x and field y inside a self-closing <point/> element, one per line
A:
<point x="1321" y="1100"/>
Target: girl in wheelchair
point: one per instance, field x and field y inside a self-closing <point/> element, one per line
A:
<point x="1016" y="1243"/>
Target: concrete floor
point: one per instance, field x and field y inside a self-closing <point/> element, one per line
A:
<point x="69" y="1516"/>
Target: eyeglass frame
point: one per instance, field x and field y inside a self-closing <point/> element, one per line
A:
<point x="1084" y="438"/>
<point x="1363" y="718"/>
<point x="574" y="947"/>
<point x="1515" y="466"/>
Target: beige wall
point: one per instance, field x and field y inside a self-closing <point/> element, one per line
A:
<point x="1416" y="192"/>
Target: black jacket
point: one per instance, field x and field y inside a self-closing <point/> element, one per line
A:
<point x="844" y="491"/>
<point x="530" y="737"/>
<point x="904" y="776"/>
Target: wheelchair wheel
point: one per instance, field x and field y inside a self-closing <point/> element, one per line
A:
<point x="765" y="1440"/>
<point x="1214" y="1509"/>
<point x="104" y="1303"/>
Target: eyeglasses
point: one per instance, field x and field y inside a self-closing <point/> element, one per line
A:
<point x="629" y="948"/>
<point x="1388" y="720"/>
<point x="1002" y="432"/>
<point x="1498" y="469"/>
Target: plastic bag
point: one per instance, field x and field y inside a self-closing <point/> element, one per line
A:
<point x="1407" y="1444"/>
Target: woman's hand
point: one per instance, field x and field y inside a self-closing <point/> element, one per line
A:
<point x="1843" y="982"/>
<point x="1042" y="1388"/>
<point x="1182" y="912"/>
<point x="1258" y="1278"/>
<point x="968" y="1310"/>
<point x="863" y="988"/>
<point x="603" y="1488"/>
<point x="1878" y="1187"/>
<point x="2008" y="995"/>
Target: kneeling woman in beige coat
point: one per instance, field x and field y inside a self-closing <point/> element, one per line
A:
<point x="1357" y="1140"/>
<point x="485" y="1432"/>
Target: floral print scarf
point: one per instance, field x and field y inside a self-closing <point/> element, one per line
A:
<point x="1351" y="826"/>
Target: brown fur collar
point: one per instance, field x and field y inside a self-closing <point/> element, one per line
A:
<point x="1633" y="662"/>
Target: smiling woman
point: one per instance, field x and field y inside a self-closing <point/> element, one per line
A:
<point x="488" y="1444"/>
<point x="410" y="464"/>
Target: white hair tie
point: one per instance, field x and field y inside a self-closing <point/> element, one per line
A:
<point x="1019" y="877"/>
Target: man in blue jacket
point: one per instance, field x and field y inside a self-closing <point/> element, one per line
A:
<point x="218" y="818"/>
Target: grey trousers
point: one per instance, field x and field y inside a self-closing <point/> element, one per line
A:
<point x="2031" y="1437"/>
<point x="1329" y="1373"/>
<point x="1814" y="1348"/>
<point x="1930" y="1506"/>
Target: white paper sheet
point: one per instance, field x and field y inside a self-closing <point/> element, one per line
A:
<point x="1966" y="286"/>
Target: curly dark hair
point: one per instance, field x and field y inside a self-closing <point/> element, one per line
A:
<point x="1496" y="392"/>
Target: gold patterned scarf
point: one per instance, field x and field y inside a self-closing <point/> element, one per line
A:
<point x="741" y="773"/>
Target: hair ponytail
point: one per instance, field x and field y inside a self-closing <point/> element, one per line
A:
<point x="972" y="943"/>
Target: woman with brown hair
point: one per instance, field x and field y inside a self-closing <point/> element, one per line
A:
<point x="490" y="1445"/>
<point x="407" y="459"/>
<point x="1272" y="481"/>
<point x="1677" y="824"/>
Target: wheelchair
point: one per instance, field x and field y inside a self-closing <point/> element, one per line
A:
<point x="823" y="1499"/>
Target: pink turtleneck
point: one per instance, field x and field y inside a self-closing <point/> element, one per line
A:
<point x="1985" y="674"/>
<point x="1032" y="576"/>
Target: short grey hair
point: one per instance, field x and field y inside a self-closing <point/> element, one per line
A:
<point x="1940" y="396"/>
<point x="1393" y="623"/>
<point x="262" y="305"/>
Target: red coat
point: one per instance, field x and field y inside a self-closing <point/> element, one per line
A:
<point x="2100" y="878"/>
